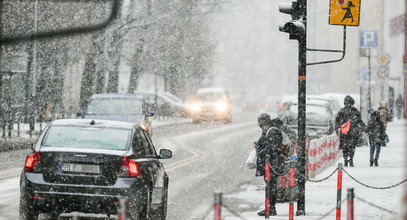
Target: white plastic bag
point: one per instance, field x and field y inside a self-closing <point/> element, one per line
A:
<point x="251" y="161"/>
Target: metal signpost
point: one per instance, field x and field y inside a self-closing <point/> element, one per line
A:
<point x="368" y="45"/>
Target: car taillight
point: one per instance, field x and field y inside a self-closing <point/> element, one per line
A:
<point x="32" y="161"/>
<point x="130" y="167"/>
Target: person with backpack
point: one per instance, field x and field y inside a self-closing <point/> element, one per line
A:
<point x="348" y="124"/>
<point x="269" y="144"/>
<point x="377" y="134"/>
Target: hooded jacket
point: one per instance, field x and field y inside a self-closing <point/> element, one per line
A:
<point x="269" y="142"/>
<point x="349" y="113"/>
<point x="356" y="124"/>
<point x="376" y="129"/>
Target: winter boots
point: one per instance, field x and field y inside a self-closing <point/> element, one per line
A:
<point x="375" y="162"/>
<point x="350" y="162"/>
<point x="273" y="212"/>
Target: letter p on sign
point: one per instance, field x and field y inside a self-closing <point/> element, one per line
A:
<point x="368" y="39"/>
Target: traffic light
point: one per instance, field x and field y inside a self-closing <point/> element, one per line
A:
<point x="297" y="26"/>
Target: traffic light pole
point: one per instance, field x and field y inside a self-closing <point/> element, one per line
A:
<point x="302" y="74"/>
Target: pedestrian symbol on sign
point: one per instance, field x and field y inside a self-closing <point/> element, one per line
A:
<point x="348" y="13"/>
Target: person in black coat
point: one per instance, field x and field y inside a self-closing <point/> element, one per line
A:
<point x="269" y="144"/>
<point x="349" y="140"/>
<point x="377" y="133"/>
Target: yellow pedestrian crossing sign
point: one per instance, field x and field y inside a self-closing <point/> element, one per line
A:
<point x="344" y="12"/>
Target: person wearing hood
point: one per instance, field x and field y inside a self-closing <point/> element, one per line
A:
<point x="377" y="133"/>
<point x="269" y="144"/>
<point x="348" y="123"/>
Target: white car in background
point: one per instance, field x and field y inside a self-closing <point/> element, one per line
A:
<point x="211" y="104"/>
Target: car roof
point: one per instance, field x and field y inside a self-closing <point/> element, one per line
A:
<point x="213" y="90"/>
<point x="116" y="95"/>
<point x="98" y="123"/>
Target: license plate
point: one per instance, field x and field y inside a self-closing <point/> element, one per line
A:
<point x="80" y="168"/>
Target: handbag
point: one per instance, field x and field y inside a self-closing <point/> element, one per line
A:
<point x="345" y="127"/>
<point x="251" y="161"/>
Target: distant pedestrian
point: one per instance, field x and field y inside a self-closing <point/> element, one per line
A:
<point x="348" y="124"/>
<point x="399" y="106"/>
<point x="377" y="136"/>
<point x="269" y="144"/>
<point x="384" y="113"/>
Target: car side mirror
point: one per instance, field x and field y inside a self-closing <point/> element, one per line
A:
<point x="165" y="154"/>
<point x="150" y="114"/>
<point x="80" y="113"/>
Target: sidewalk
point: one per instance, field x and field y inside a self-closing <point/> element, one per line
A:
<point x="321" y="197"/>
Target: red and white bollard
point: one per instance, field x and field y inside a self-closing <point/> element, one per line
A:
<point x="291" y="185"/>
<point x="267" y="178"/>
<point x="122" y="215"/>
<point x="351" y="208"/>
<point x="217" y="206"/>
<point x="339" y="192"/>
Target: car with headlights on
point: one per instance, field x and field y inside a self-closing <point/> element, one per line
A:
<point x="89" y="165"/>
<point x="119" y="107"/>
<point x="211" y="104"/>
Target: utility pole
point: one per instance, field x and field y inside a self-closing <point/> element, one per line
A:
<point x="405" y="60"/>
<point x="297" y="29"/>
<point x="302" y="86"/>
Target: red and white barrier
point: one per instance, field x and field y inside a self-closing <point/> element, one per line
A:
<point x="322" y="154"/>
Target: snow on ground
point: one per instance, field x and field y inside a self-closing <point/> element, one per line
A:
<point x="321" y="197"/>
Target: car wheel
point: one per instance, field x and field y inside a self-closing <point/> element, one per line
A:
<point x="163" y="211"/>
<point x="227" y="119"/>
<point x="27" y="210"/>
<point x="140" y="210"/>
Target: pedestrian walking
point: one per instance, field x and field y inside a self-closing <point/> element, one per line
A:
<point x="348" y="124"/>
<point x="269" y="144"/>
<point x="399" y="106"/>
<point x="377" y="136"/>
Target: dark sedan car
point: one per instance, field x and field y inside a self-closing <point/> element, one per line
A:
<point x="84" y="165"/>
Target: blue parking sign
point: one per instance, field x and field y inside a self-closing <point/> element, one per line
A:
<point x="368" y="39"/>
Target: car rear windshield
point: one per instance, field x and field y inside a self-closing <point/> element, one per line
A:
<point x="211" y="96"/>
<point x="115" y="106"/>
<point x="87" y="137"/>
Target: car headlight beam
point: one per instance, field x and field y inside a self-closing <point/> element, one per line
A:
<point x="221" y="107"/>
<point x="196" y="107"/>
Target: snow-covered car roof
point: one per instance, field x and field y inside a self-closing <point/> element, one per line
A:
<point x="165" y="95"/>
<point x="210" y="90"/>
<point x="116" y="95"/>
<point x="310" y="100"/>
<point x="98" y="123"/>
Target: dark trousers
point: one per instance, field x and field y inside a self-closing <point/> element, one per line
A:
<point x="348" y="153"/>
<point x="374" y="147"/>
<point x="272" y="191"/>
<point x="348" y="145"/>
